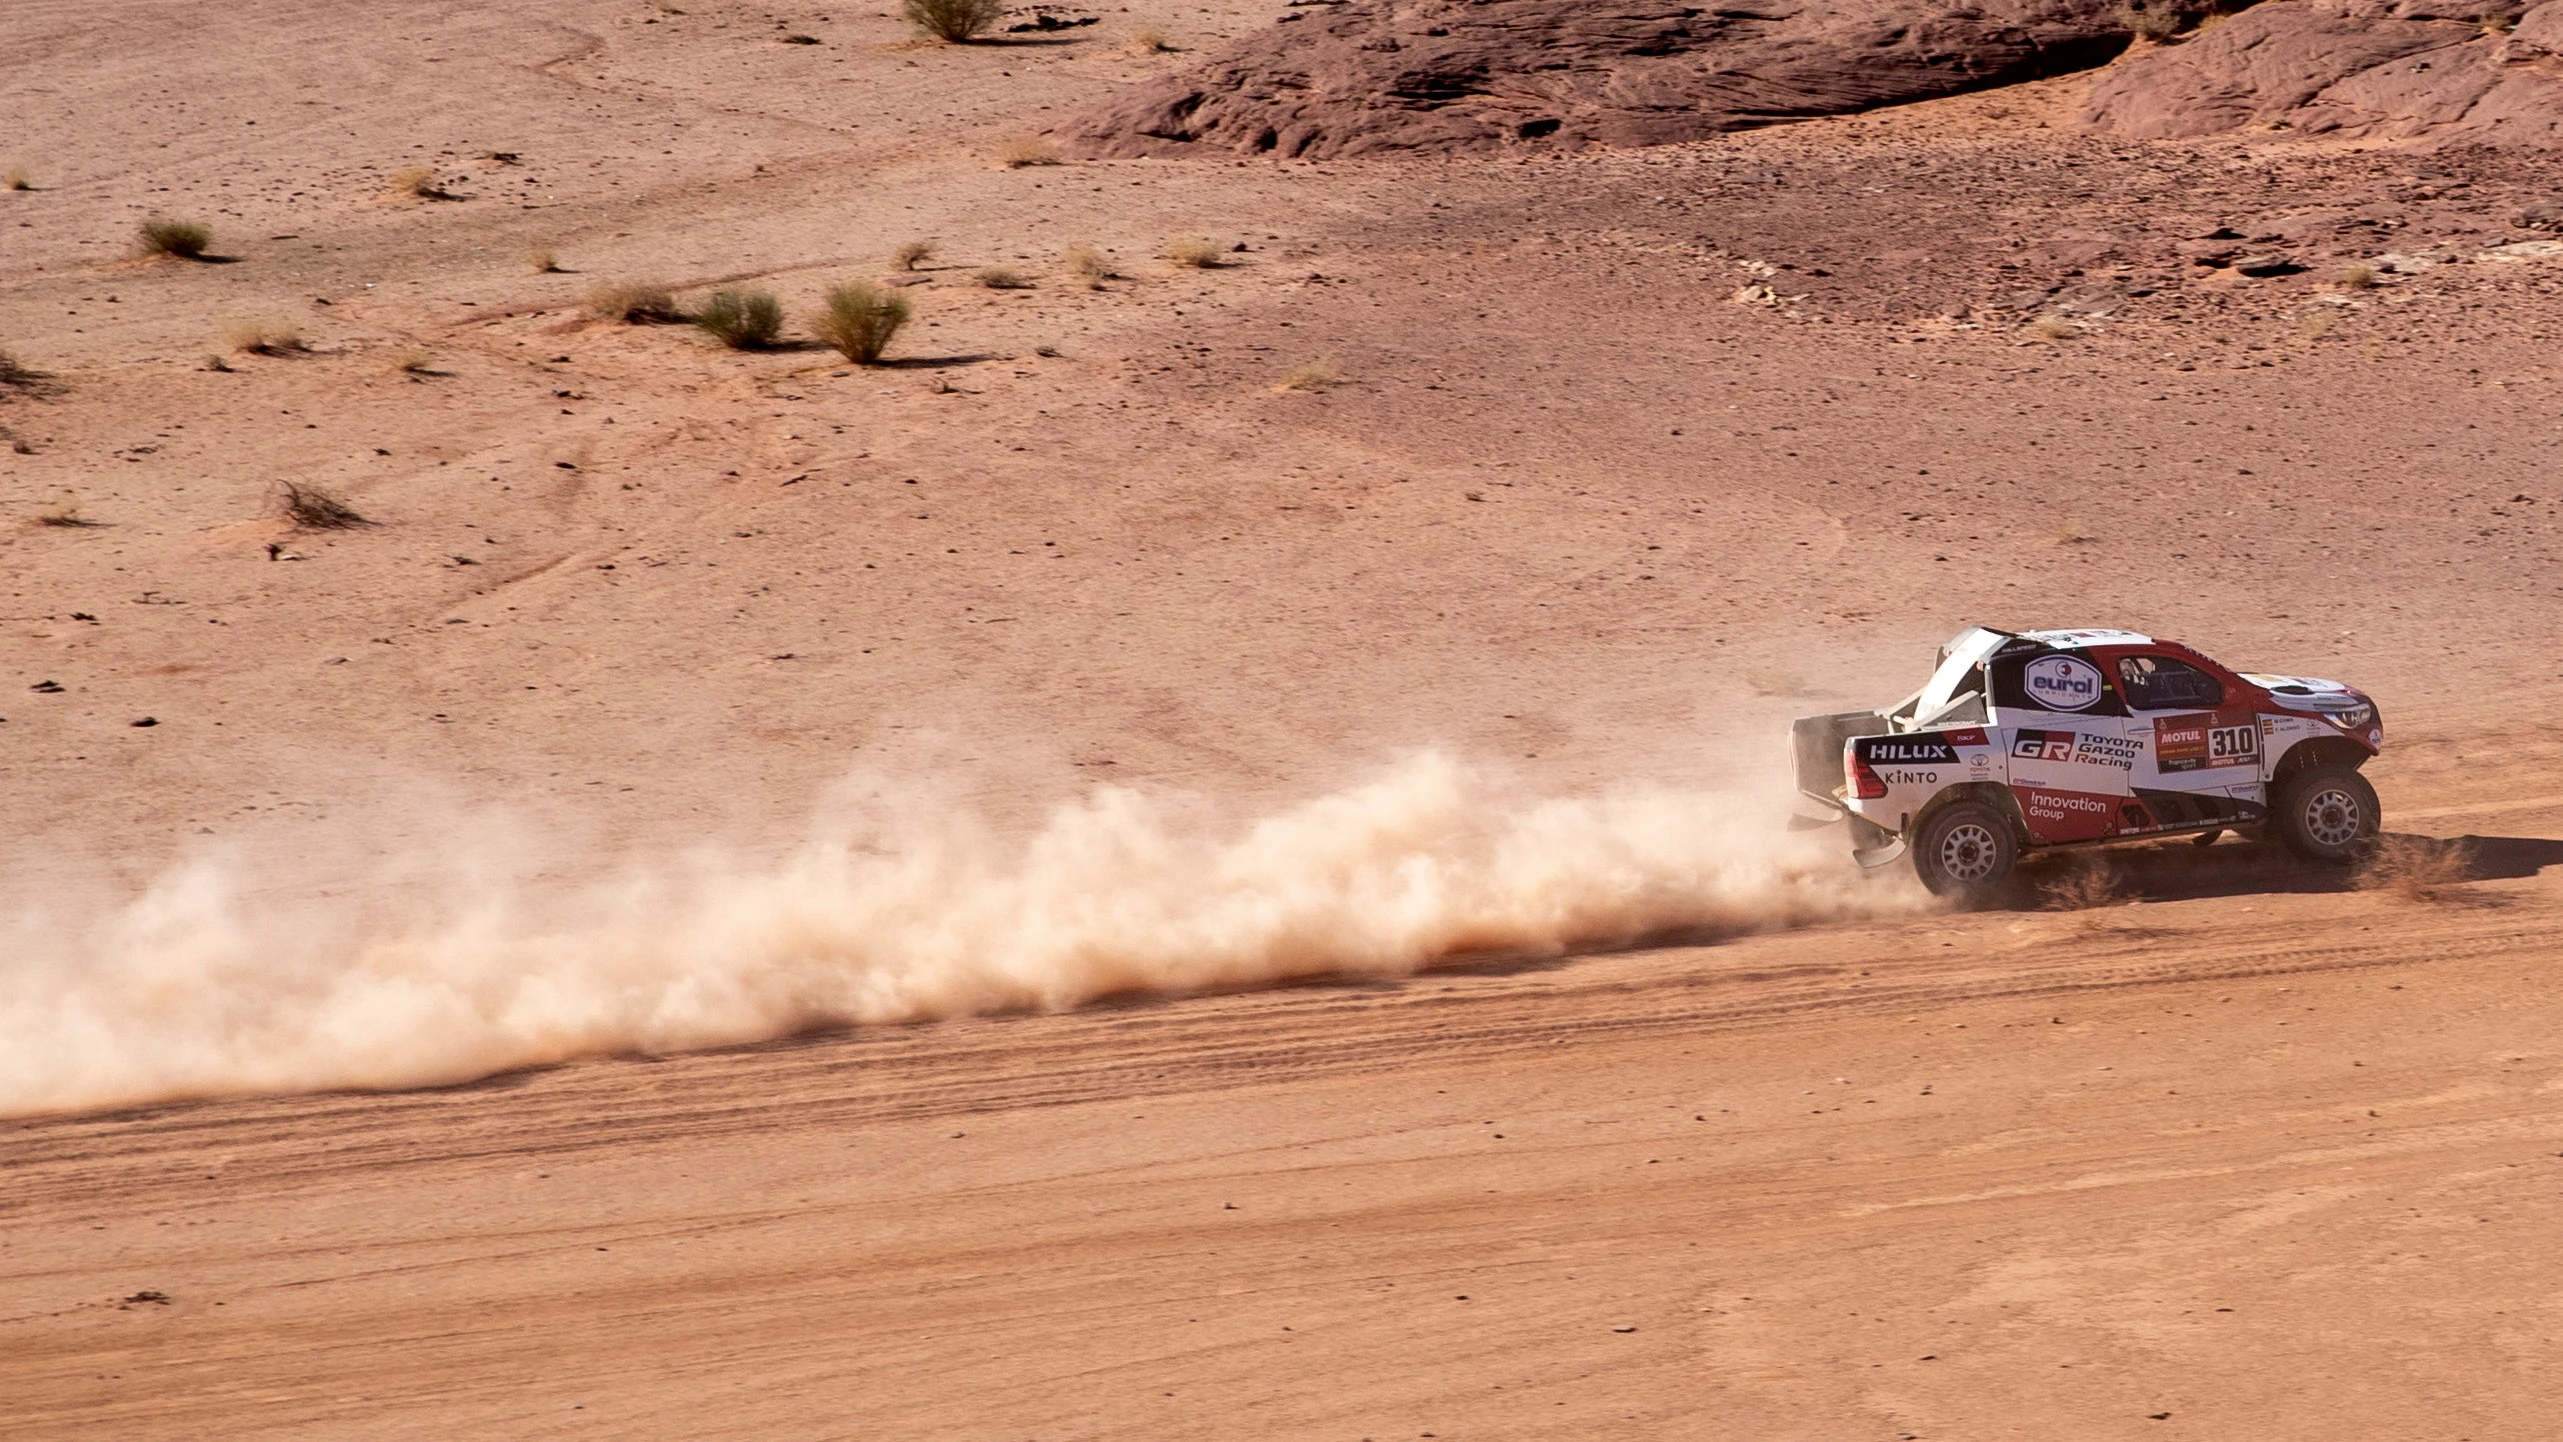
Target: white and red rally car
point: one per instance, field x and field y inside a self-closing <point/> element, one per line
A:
<point x="2032" y="739"/>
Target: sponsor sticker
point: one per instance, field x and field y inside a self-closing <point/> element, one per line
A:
<point x="2197" y="743"/>
<point x="2107" y="749"/>
<point x="2062" y="683"/>
<point x="2067" y="815"/>
<point x="1907" y="751"/>
<point x="1905" y="777"/>
<point x="2042" y="746"/>
<point x="2083" y="747"/>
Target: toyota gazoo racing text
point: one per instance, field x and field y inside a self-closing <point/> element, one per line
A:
<point x="2033" y="739"/>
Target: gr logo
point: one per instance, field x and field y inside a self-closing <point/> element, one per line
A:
<point x="2062" y="683"/>
<point x="2043" y="746"/>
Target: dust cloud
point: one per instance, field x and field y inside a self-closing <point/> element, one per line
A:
<point x="212" y="982"/>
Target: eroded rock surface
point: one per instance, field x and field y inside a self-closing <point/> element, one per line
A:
<point x="2438" y="71"/>
<point x="1405" y="75"/>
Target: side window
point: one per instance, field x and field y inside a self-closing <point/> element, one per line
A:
<point x="2159" y="683"/>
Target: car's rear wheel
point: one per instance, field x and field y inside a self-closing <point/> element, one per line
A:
<point x="2326" y="813"/>
<point x="1965" y="851"/>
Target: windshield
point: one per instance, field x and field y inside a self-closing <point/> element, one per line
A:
<point x="1961" y="670"/>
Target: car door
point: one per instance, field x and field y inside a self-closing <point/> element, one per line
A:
<point x="2201" y="752"/>
<point x="2070" y="755"/>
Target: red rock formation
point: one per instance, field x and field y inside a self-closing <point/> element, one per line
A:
<point x="2438" y="71"/>
<point x="1404" y="75"/>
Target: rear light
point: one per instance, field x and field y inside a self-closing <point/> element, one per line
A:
<point x="1864" y="782"/>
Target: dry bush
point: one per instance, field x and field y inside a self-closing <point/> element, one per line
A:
<point x="2314" y="325"/>
<point x="2158" y="26"/>
<point x="632" y="303"/>
<point x="15" y="178"/>
<point x="1194" y="252"/>
<point x="264" y="337"/>
<point x="1776" y="683"/>
<point x="416" y="182"/>
<point x="2415" y="868"/>
<point x="998" y="277"/>
<point x="2361" y="276"/>
<point x="412" y="360"/>
<point x="742" y="319"/>
<point x="2088" y="885"/>
<point x="1149" y="40"/>
<point x="544" y="262"/>
<point x="2052" y="327"/>
<point x="185" y="239"/>
<point x="313" y="509"/>
<point x="65" y="512"/>
<point x="955" y="22"/>
<point x="1030" y="150"/>
<point x="2496" y="23"/>
<point x="2070" y="533"/>
<point x="1088" y="265"/>
<point x="1315" y="376"/>
<point x="15" y="372"/>
<point x="912" y="254"/>
<point x="859" y="319"/>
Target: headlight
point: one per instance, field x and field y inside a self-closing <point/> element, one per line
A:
<point x="2351" y="719"/>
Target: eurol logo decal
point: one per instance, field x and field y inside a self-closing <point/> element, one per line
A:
<point x="2062" y="683"/>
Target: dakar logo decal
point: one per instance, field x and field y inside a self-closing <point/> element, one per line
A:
<point x="2062" y="683"/>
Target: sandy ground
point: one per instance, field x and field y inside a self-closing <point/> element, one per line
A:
<point x="1571" y="508"/>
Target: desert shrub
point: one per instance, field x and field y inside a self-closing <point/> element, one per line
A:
<point x="2157" y="25"/>
<point x="998" y="277"/>
<point x="954" y="21"/>
<point x="1088" y="265"/>
<point x="742" y="319"/>
<point x="859" y="318"/>
<point x="2415" y="868"/>
<point x="412" y="360"/>
<point x="1195" y="252"/>
<point x="2052" y="327"/>
<point x="314" y="509"/>
<point x="185" y="239"/>
<point x="632" y="303"/>
<point x="913" y="254"/>
<point x="15" y="178"/>
<point x="65" y="513"/>
<point x="1149" y="40"/>
<point x="1031" y="150"/>
<point x="264" y="337"/>
<point x="15" y="372"/>
<point x="2360" y="276"/>
<point x="1315" y="376"/>
<point x="544" y="262"/>
<point x="417" y="182"/>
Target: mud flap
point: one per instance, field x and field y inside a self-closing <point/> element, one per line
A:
<point x="1877" y="856"/>
<point x="1873" y="845"/>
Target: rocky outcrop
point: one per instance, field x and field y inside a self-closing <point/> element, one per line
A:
<point x="1408" y="75"/>
<point x="2433" y="71"/>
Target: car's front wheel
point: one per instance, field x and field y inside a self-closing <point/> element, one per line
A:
<point x="1966" y="851"/>
<point x="2325" y="813"/>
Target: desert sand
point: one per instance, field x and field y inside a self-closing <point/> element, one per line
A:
<point x="1563" y="476"/>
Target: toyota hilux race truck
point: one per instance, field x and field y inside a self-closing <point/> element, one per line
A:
<point x="2033" y="739"/>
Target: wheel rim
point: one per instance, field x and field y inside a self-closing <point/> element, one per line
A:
<point x="2333" y="817"/>
<point x="1968" y="852"/>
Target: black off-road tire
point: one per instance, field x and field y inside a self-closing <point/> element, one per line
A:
<point x="1966" y="851"/>
<point x="2325" y="813"/>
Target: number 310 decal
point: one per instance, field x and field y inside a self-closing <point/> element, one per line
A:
<point x="2230" y="744"/>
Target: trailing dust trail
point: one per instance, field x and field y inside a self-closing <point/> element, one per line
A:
<point x="907" y="912"/>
